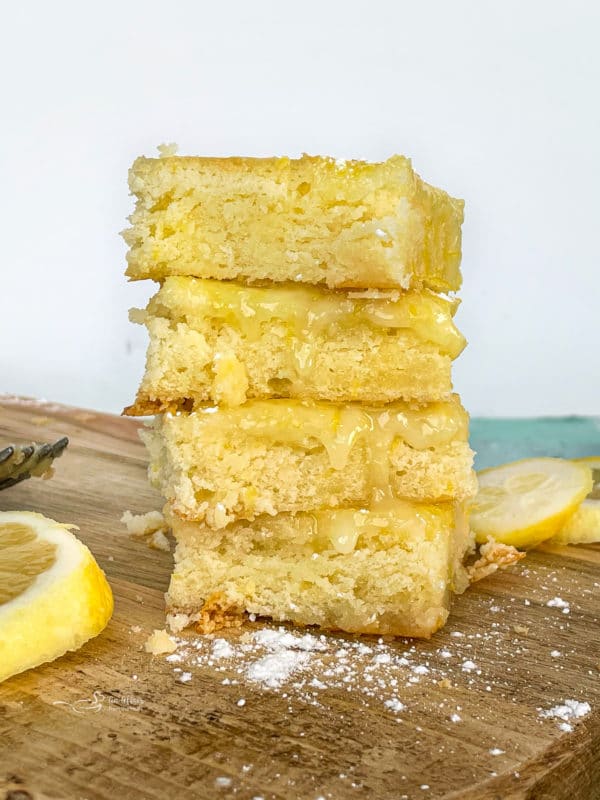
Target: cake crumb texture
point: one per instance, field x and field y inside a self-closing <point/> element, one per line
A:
<point x="218" y="342"/>
<point x="310" y="220"/>
<point x="274" y="456"/>
<point x="385" y="572"/>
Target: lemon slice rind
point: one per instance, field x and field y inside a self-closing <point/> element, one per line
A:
<point x="583" y="527"/>
<point x="526" y="502"/>
<point x="64" y="607"/>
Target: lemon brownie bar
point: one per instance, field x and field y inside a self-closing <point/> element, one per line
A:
<point x="312" y="220"/>
<point x="387" y="571"/>
<point x="220" y="464"/>
<point x="222" y="342"/>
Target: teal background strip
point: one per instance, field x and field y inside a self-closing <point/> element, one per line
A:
<point x="499" y="440"/>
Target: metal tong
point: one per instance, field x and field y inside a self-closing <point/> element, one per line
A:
<point x="19" y="462"/>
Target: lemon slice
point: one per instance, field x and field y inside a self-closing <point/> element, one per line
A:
<point x="53" y="595"/>
<point x="525" y="502"/>
<point x="583" y="527"/>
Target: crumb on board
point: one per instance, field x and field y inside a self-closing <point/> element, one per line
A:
<point x="523" y="630"/>
<point x="493" y="556"/>
<point x="160" y="642"/>
<point x="143" y="524"/>
<point x="158" y="541"/>
<point x="177" y="622"/>
<point x="151" y="527"/>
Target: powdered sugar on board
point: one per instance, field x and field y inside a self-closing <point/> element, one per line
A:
<point x="567" y="712"/>
<point x="303" y="667"/>
<point x="484" y="666"/>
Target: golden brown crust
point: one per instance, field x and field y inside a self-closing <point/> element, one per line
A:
<point x="145" y="407"/>
<point x="218" y="613"/>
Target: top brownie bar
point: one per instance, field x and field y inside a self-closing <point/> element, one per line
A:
<point x="312" y="220"/>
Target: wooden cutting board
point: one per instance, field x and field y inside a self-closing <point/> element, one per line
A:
<point x="110" y="721"/>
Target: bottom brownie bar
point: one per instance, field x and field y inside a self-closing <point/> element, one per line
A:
<point x="385" y="571"/>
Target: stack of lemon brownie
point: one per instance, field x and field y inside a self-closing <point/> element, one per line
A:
<point x="314" y="461"/>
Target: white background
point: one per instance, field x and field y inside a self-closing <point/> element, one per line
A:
<point x="496" y="102"/>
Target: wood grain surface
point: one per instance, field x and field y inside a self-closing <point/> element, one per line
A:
<point x="110" y="721"/>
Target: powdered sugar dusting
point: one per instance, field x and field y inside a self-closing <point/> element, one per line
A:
<point x="277" y="659"/>
<point x="304" y="666"/>
<point x="510" y="655"/>
<point x="558" y="602"/>
<point x="567" y="712"/>
<point x="222" y="649"/>
<point x="275" y="669"/>
<point x="394" y="705"/>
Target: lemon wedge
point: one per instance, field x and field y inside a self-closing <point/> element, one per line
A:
<point x="53" y="595"/>
<point x="525" y="502"/>
<point x="584" y="526"/>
